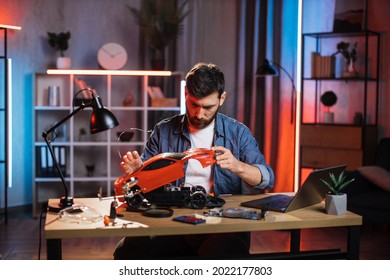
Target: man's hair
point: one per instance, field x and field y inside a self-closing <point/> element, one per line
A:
<point x="204" y="79"/>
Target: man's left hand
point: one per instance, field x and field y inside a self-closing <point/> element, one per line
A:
<point x="225" y="159"/>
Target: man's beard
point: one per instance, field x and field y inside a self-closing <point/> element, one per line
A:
<point x="199" y="124"/>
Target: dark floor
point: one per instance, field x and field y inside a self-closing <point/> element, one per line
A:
<point x="21" y="239"/>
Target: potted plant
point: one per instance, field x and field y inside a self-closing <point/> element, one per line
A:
<point x="60" y="42"/>
<point x="336" y="200"/>
<point x="160" y="22"/>
<point x="328" y="99"/>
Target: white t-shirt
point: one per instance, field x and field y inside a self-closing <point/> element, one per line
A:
<point x="197" y="175"/>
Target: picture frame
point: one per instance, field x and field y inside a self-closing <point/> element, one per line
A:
<point x="350" y="16"/>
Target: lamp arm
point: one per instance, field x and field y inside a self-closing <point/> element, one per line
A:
<point x="66" y="195"/>
<point x="74" y="112"/>
<point x="294" y="91"/>
<point x="288" y="75"/>
<point x="45" y="134"/>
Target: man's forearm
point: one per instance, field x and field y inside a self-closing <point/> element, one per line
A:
<point x="249" y="173"/>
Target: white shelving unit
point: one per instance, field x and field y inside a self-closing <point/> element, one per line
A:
<point x="100" y="150"/>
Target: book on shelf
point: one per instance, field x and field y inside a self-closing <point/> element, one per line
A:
<point x="45" y="166"/>
<point x="322" y="66"/>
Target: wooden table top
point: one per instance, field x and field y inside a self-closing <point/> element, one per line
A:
<point x="136" y="224"/>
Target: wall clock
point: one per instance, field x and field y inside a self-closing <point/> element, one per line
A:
<point x="112" y="56"/>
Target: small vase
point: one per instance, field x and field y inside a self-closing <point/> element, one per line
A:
<point x="129" y="100"/>
<point x="63" y="62"/>
<point x="336" y="204"/>
<point x="90" y="169"/>
<point x="351" y="66"/>
<point x="350" y="69"/>
<point x="328" y="117"/>
<point x="358" y="118"/>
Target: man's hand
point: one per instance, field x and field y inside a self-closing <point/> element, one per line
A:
<point x="131" y="162"/>
<point x="225" y="159"/>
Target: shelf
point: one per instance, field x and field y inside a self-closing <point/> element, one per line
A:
<point x="83" y="72"/>
<point x="323" y="35"/>
<point x="343" y="79"/>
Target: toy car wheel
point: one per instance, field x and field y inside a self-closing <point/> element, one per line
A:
<point x="130" y="191"/>
<point x="135" y="201"/>
<point x="198" y="200"/>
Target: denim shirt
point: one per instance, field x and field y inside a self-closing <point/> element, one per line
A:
<point x="172" y="135"/>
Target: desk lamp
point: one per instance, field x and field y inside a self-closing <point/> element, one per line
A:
<point x="267" y="69"/>
<point x="101" y="119"/>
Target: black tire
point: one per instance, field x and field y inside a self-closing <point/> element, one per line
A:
<point x="198" y="200"/>
<point x="135" y="202"/>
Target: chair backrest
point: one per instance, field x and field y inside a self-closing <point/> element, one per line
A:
<point x="383" y="153"/>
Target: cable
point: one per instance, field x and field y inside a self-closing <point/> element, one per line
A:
<point x="40" y="232"/>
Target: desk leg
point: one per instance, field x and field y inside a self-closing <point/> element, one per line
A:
<point x="295" y="240"/>
<point x="353" y="242"/>
<point x="54" y="249"/>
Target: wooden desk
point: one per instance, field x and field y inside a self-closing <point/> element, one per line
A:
<point x="310" y="217"/>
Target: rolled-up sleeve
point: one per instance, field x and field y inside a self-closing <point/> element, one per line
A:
<point x="268" y="178"/>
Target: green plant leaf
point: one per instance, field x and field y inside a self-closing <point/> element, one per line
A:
<point x="60" y="41"/>
<point x="345" y="184"/>
<point x="159" y="21"/>
<point x="337" y="183"/>
<point x="331" y="189"/>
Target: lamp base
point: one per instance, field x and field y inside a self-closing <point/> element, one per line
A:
<point x="57" y="207"/>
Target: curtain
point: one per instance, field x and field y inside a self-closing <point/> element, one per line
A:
<point x="268" y="30"/>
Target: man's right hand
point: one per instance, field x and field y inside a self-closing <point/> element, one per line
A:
<point x="131" y="162"/>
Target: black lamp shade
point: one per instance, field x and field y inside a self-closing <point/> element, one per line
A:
<point x="266" y="69"/>
<point x="101" y="120"/>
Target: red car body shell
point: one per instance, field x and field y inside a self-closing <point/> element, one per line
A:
<point x="163" y="169"/>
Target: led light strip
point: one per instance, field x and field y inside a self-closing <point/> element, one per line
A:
<point x="108" y="72"/>
<point x="14" y="27"/>
<point x="182" y="97"/>
<point x="9" y="121"/>
<point x="298" y="107"/>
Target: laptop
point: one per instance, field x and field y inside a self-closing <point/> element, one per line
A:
<point x="312" y="191"/>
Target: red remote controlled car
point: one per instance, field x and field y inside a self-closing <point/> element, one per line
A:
<point x="159" y="171"/>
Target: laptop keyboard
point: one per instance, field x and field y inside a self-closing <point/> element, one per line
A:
<point x="280" y="204"/>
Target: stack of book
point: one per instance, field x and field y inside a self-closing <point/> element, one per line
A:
<point x="322" y="66"/>
<point x="45" y="166"/>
